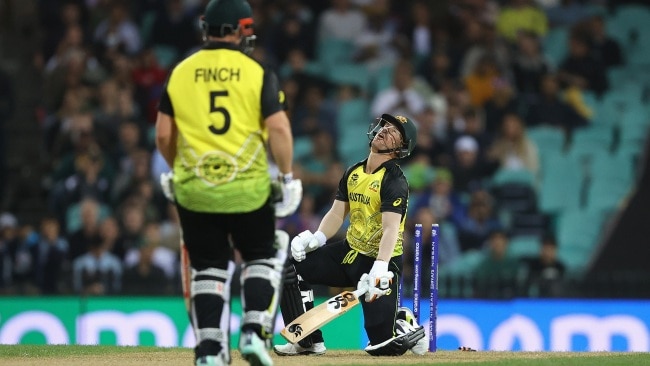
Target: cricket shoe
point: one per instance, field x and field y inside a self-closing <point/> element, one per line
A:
<point x="422" y="346"/>
<point x="254" y="350"/>
<point x="218" y="360"/>
<point x="296" y="350"/>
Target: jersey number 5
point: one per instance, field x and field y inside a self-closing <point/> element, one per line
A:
<point x="216" y="109"/>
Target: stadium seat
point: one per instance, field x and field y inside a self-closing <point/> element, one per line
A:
<point x="350" y="74"/>
<point x="580" y="228"/>
<point x="73" y="216"/>
<point x="466" y="264"/>
<point x="166" y="55"/>
<point x="562" y="183"/>
<point x="522" y="176"/>
<point x="353" y="118"/>
<point x="555" y="44"/>
<point x="302" y="147"/>
<point x="524" y="246"/>
<point x="607" y="194"/>
<point x="547" y="138"/>
<point x="332" y="51"/>
<point x="591" y="140"/>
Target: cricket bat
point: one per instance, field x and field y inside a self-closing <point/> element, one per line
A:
<point x="322" y="314"/>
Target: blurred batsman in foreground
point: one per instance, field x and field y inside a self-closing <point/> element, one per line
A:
<point x="217" y="112"/>
<point x="374" y="192"/>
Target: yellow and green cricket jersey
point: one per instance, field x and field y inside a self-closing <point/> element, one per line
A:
<point x="384" y="190"/>
<point x="219" y="99"/>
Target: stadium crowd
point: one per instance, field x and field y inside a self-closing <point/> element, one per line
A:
<point x="472" y="73"/>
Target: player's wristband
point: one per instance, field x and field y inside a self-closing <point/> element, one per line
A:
<point x="285" y="178"/>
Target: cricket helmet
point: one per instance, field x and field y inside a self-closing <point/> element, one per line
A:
<point x="406" y="127"/>
<point x="224" y="17"/>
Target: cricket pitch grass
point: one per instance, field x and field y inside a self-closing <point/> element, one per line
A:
<point x="40" y="355"/>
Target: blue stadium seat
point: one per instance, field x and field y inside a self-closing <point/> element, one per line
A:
<point x="555" y="44"/>
<point x="547" y="138"/>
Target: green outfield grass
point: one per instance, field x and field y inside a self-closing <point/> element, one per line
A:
<point x="22" y="355"/>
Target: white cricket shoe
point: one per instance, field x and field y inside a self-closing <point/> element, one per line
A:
<point x="296" y="350"/>
<point x="254" y="350"/>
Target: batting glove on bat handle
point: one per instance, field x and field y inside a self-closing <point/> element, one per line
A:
<point x="378" y="285"/>
<point x="306" y="242"/>
<point x="291" y="196"/>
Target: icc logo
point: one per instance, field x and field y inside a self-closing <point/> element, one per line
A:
<point x="296" y="329"/>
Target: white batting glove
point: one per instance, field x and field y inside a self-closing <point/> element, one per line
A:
<point x="167" y="184"/>
<point x="306" y="242"/>
<point x="378" y="281"/>
<point x="291" y="196"/>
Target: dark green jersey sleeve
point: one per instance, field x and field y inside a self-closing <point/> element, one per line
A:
<point x="273" y="99"/>
<point x="394" y="191"/>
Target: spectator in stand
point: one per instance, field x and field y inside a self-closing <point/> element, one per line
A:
<point x="98" y="272"/>
<point x="441" y="200"/>
<point x="6" y="111"/>
<point x="418" y="30"/>
<point x="437" y="70"/>
<point x="164" y="258"/>
<point x="318" y="168"/>
<point x="496" y="275"/>
<point x="504" y="101"/>
<point x="132" y="220"/>
<point x="529" y="65"/>
<point x="87" y="181"/>
<point x="512" y="148"/>
<point x="475" y="228"/>
<point x="606" y="49"/>
<point x="175" y="28"/>
<point x="117" y="33"/>
<point x="401" y="98"/>
<point x="314" y="113"/>
<point x="567" y="13"/>
<point x="469" y="170"/>
<point x="127" y="181"/>
<point x="521" y="15"/>
<point x="293" y="30"/>
<point x="430" y="141"/>
<point x="109" y="231"/>
<point x="341" y="21"/>
<point x="148" y="79"/>
<point x="377" y="46"/>
<point x="49" y="256"/>
<point x="9" y="244"/>
<point x="129" y="141"/>
<point x="551" y="110"/>
<point x="79" y="241"/>
<point x="580" y="69"/>
<point x="546" y="271"/>
<point x="145" y="277"/>
<point x="485" y="42"/>
<point x="472" y="124"/>
<point x="480" y="83"/>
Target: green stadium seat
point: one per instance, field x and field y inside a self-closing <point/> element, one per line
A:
<point x="73" y="216"/>
<point x="607" y="194"/>
<point x="332" y="51"/>
<point x="579" y="228"/>
<point x="466" y="264"/>
<point x="166" y="55"/>
<point x="302" y="147"/>
<point x="547" y="138"/>
<point x="350" y="74"/>
<point x="520" y="176"/>
<point x="524" y="246"/>
<point x="555" y="44"/>
<point x="562" y="183"/>
<point x="591" y="140"/>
